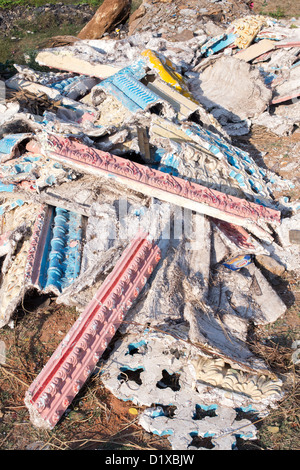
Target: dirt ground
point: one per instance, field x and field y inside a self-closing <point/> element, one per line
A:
<point x="98" y="420"/>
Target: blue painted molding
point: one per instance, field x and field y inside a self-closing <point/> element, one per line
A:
<point x="125" y="85"/>
<point x="60" y="259"/>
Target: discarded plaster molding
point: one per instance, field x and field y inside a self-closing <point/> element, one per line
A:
<point x="79" y="58"/>
<point x="157" y="184"/>
<point x="109" y="227"/>
<point x="12" y="286"/>
<point x="77" y="355"/>
<point x="75" y="87"/>
<point x="247" y="28"/>
<point x="289" y="89"/>
<point x="275" y="35"/>
<point x="256" y="50"/>
<point x="54" y="256"/>
<point x="214" y="372"/>
<point x="280" y="62"/>
<point x="204" y="432"/>
<point x="230" y="170"/>
<point x="284" y="44"/>
<point x="9" y="145"/>
<point x="161" y="371"/>
<point x="44" y="78"/>
<point x="33" y="172"/>
<point x="126" y="87"/>
<point x="62" y="123"/>
<point x="81" y="111"/>
<point x="238" y="235"/>
<point x="218" y="43"/>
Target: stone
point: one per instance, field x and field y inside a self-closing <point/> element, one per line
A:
<point x="270" y="264"/>
<point x="294" y="236"/>
<point x="109" y="14"/>
<point x="183" y="35"/>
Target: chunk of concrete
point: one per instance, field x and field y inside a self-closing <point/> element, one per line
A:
<point x="270" y="264"/>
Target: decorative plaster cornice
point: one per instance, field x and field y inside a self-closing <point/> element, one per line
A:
<point x="77" y="355"/>
<point x="55" y="251"/>
<point x="158" y="184"/>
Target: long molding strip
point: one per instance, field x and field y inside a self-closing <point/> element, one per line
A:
<point x="54" y="256"/>
<point x="77" y="355"/>
<point x="158" y="184"/>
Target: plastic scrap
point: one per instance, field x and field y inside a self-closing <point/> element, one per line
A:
<point x="238" y="262"/>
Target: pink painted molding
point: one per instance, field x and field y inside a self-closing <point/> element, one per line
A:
<point x="38" y="240"/>
<point x="236" y="234"/>
<point x="77" y="355"/>
<point x="232" y="209"/>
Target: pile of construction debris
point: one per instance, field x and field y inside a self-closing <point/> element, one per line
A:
<point x="122" y="194"/>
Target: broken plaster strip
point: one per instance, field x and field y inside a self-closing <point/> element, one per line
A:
<point x="54" y="257"/>
<point x="20" y="219"/>
<point x="237" y="235"/>
<point x="66" y="58"/>
<point x="127" y="89"/>
<point x="77" y="355"/>
<point x="155" y="183"/>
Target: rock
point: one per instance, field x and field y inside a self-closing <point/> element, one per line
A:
<point x="109" y="14"/>
<point x="184" y="35"/>
<point x="137" y="14"/>
<point x="135" y="19"/>
<point x="273" y="429"/>
<point x="294" y="236"/>
<point x="270" y="264"/>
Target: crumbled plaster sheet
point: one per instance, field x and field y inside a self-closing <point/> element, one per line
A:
<point x="284" y="251"/>
<point x="184" y="296"/>
<point x="230" y="89"/>
<point x="109" y="228"/>
<point x="165" y="373"/>
<point x="124" y="51"/>
<point x="8" y="111"/>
